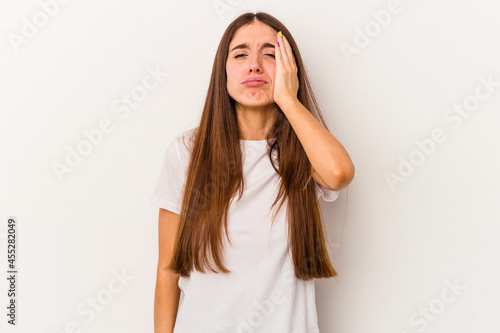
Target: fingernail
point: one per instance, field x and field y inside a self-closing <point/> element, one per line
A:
<point x="277" y="43"/>
<point x="281" y="35"/>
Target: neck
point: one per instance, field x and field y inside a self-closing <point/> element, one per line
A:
<point x="256" y="122"/>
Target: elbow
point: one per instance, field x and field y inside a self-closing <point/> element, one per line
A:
<point x="342" y="177"/>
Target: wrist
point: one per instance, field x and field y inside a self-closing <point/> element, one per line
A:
<point x="285" y="101"/>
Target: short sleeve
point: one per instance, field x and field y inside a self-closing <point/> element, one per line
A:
<point x="328" y="195"/>
<point x="168" y="190"/>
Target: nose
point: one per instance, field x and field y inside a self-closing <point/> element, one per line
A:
<point x="255" y="64"/>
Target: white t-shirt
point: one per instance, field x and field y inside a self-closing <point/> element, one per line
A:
<point x="261" y="294"/>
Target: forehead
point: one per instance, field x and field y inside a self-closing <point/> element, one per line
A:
<point x="254" y="33"/>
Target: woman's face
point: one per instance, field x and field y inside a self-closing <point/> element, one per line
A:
<point x="251" y="55"/>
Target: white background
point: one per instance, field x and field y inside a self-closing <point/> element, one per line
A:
<point x="395" y="248"/>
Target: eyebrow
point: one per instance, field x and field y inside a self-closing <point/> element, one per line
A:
<point x="245" y="46"/>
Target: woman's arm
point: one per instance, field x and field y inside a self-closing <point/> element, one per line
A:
<point x="167" y="292"/>
<point x="328" y="157"/>
<point x="332" y="164"/>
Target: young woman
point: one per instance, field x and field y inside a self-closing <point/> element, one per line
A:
<point x="259" y="143"/>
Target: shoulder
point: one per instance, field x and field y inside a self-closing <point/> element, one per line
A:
<point x="185" y="141"/>
<point x="180" y="147"/>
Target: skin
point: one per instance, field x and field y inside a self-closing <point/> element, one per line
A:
<point x="255" y="106"/>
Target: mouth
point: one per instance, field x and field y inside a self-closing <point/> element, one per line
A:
<point x="254" y="82"/>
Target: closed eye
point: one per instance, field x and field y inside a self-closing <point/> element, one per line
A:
<point x="237" y="56"/>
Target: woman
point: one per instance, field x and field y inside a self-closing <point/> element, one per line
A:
<point x="258" y="142"/>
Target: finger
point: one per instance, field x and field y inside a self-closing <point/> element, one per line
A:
<point x="290" y="57"/>
<point x="278" y="53"/>
<point x="283" y="49"/>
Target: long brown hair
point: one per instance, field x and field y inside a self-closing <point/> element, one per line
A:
<point x="215" y="174"/>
